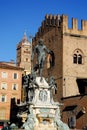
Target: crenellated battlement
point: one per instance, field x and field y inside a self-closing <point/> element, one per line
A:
<point x="74" y="23"/>
<point x="50" y="22"/>
<point x="74" y="29"/>
<point x="61" y="21"/>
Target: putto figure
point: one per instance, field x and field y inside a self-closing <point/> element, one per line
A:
<point x="41" y="51"/>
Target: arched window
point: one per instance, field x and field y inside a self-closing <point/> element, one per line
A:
<point x="77" y="57"/>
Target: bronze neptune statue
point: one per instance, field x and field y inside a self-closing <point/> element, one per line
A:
<point x="41" y="51"/>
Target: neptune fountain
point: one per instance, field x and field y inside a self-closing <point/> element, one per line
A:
<point x="42" y="113"/>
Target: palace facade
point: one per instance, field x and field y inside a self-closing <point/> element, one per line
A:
<point x="68" y="64"/>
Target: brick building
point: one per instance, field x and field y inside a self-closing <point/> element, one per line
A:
<point x="10" y="87"/>
<point x="68" y="63"/>
<point x="23" y="58"/>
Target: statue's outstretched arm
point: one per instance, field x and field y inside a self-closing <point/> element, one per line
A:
<point x="47" y="50"/>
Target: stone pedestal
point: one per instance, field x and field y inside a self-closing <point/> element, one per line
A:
<point x="44" y="113"/>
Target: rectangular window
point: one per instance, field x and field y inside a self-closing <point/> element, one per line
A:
<point x="4" y="74"/>
<point x="82" y="86"/>
<point x="3" y="98"/>
<point x="3" y="85"/>
<point x="15" y="76"/>
<point x="14" y="86"/>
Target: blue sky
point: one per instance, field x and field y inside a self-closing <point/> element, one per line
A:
<point x="18" y="16"/>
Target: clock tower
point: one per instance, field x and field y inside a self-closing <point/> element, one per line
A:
<point x="23" y="58"/>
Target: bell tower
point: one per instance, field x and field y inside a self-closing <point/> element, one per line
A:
<point x="23" y="58"/>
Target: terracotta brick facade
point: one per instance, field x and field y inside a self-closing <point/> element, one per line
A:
<point x="10" y="87"/>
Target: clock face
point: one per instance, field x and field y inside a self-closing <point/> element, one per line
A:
<point x="43" y="95"/>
